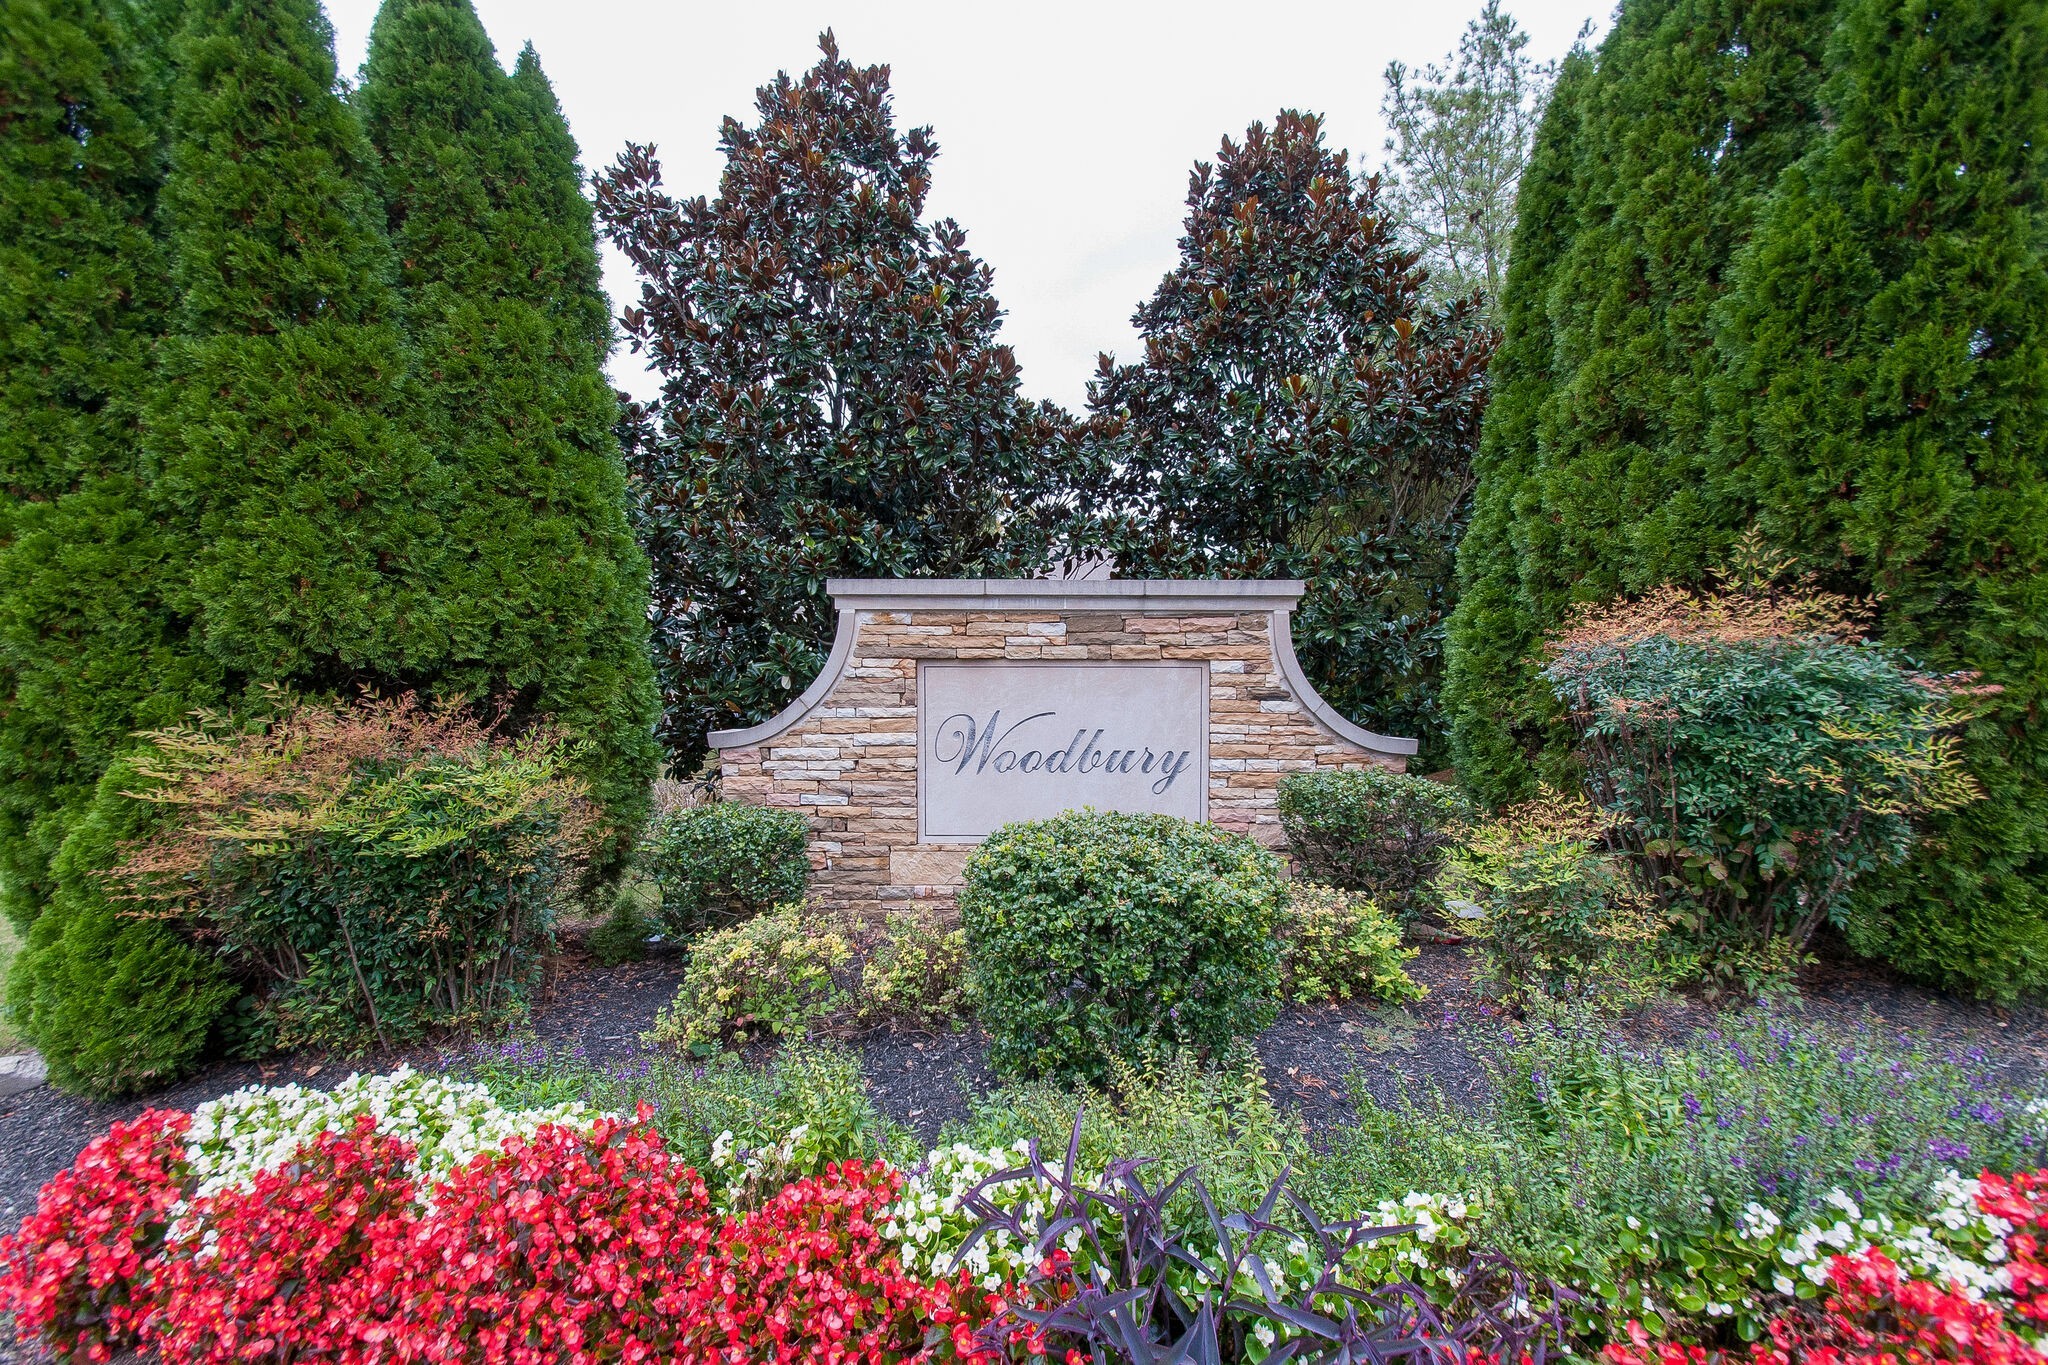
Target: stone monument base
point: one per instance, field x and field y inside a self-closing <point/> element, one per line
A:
<point x="848" y="754"/>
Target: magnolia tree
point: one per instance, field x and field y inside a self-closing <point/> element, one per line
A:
<point x="834" y="400"/>
<point x="1300" y="411"/>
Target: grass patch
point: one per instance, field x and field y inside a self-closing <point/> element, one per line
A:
<point x="10" y="944"/>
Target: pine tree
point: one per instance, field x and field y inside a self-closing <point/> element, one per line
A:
<point x="1884" y="414"/>
<point x="545" y="590"/>
<point x="1693" y="110"/>
<point x="834" y="399"/>
<point x="1492" y="632"/>
<point x="1461" y="140"/>
<point x="303" y="546"/>
<point x="87" y="651"/>
<point x="1301" y="411"/>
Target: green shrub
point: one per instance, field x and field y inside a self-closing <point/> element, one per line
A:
<point x="114" y="1002"/>
<point x="623" y="935"/>
<point x="1335" y="945"/>
<point x="1174" y="1110"/>
<point x="770" y="975"/>
<point x="724" y="862"/>
<point x="1095" y="935"/>
<point x="917" y="974"/>
<point x="1560" y="916"/>
<point x="1379" y="832"/>
<point x="1754" y="752"/>
<point x="379" y="869"/>
<point x="816" y="1087"/>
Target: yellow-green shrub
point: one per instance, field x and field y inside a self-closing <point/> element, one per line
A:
<point x="917" y="974"/>
<point x="1336" y="945"/>
<point x="772" y="975"/>
<point x="1559" y="914"/>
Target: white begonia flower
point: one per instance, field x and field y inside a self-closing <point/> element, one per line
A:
<point x="447" y="1122"/>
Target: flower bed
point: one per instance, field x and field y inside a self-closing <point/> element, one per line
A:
<point x="409" y="1218"/>
<point x="412" y="1218"/>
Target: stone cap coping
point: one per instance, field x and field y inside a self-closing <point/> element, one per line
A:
<point x="1161" y="596"/>
<point x="1149" y="596"/>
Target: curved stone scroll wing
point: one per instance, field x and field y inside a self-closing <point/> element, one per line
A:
<point x="1159" y="596"/>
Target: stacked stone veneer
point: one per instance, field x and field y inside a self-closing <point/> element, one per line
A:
<point x="846" y="753"/>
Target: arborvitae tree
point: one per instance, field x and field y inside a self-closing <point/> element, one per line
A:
<point x="1300" y="411"/>
<point x="114" y="1003"/>
<point x="1884" y="417"/>
<point x="87" y="652"/>
<point x="281" y="427"/>
<point x="1694" y="109"/>
<point x="834" y="400"/>
<point x="1492" y="631"/>
<point x="82" y="293"/>
<point x="303" y="505"/>
<point x="545" y="590"/>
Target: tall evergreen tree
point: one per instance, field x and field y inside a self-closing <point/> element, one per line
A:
<point x="1301" y="410"/>
<point x="1693" y="110"/>
<point x="1461" y="139"/>
<point x="82" y="293"/>
<point x="87" y="652"/>
<point x="834" y="398"/>
<point x="1884" y="416"/>
<point x="282" y="428"/>
<point x="304" y="507"/>
<point x="545" y="590"/>
<point x="1492" y="629"/>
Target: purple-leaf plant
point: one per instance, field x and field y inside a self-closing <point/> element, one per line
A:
<point x="1140" y="1287"/>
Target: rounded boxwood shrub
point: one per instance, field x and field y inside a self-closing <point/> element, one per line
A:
<point x="725" y="862"/>
<point x="1371" y="830"/>
<point x="1096" y="935"/>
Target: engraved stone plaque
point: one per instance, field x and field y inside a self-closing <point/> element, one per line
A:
<point x="1001" y="741"/>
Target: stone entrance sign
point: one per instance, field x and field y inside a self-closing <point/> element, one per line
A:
<point x="999" y="742"/>
<point x="950" y="707"/>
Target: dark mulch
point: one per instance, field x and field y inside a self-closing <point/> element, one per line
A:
<point x="923" y="1080"/>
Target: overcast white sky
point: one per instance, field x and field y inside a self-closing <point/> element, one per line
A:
<point x="1065" y="130"/>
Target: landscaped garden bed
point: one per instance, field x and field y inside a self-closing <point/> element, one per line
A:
<point x="1185" y="1105"/>
<point x="897" y="1089"/>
